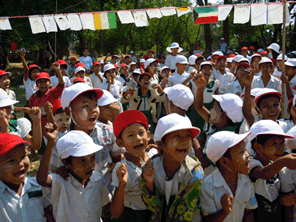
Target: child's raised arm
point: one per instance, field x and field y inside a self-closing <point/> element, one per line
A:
<point x="25" y="66"/>
<point x="50" y="131"/>
<point x="57" y="69"/>
<point x="192" y="76"/>
<point x="36" y="138"/>
<point x="105" y="60"/>
<point x="247" y="105"/>
<point x="48" y="109"/>
<point x="4" y="122"/>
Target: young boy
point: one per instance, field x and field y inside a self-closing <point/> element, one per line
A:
<point x="191" y="61"/>
<point x="82" y="196"/>
<point x="180" y="75"/>
<point x="80" y="72"/>
<point x="55" y="80"/>
<point x="227" y="194"/>
<point x="71" y="68"/>
<point x="279" y="66"/>
<point x="124" y="75"/>
<point x="97" y="77"/>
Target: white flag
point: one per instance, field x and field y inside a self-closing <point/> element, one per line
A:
<point x="241" y="14"/>
<point x="140" y="18"/>
<point x="125" y="17"/>
<point x="87" y="20"/>
<point x="5" y="24"/>
<point x="74" y="21"/>
<point x="62" y="21"/>
<point x="258" y="14"/>
<point x="49" y="23"/>
<point x="183" y="11"/>
<point x="275" y="13"/>
<point x="36" y="24"/>
<point x="154" y="13"/>
<point x="168" y="11"/>
<point x="223" y="11"/>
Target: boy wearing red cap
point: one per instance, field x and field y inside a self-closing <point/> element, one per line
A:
<point x="54" y="79"/>
<point x="244" y="52"/>
<point x="97" y="77"/>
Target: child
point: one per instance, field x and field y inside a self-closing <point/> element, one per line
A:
<point x="172" y="180"/>
<point x="5" y="83"/>
<point x="237" y="86"/>
<point x="170" y="61"/>
<point x="151" y="67"/>
<point x="131" y="131"/>
<point x="21" y="197"/>
<point x="97" y="77"/>
<point x="191" y="61"/>
<point x="54" y="79"/>
<point x="268" y="141"/>
<point x="71" y="68"/>
<point x="291" y="122"/>
<point x="82" y="196"/>
<point x="255" y="59"/>
<point x="77" y="80"/>
<point x="279" y="65"/>
<point x="227" y="194"/>
<point x="124" y="75"/>
<point x="162" y="61"/>
<point x="180" y="75"/>
<point x="236" y="60"/>
<point x="133" y="66"/>
<point x="80" y="72"/>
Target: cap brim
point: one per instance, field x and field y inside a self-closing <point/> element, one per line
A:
<point x="194" y="130"/>
<point x="7" y="102"/>
<point x="85" y="150"/>
<point x="107" y="102"/>
<point x="275" y="133"/>
<point x="169" y="49"/>
<point x="268" y="93"/>
<point x="14" y="144"/>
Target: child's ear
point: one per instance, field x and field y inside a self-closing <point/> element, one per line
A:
<point x="224" y="161"/>
<point x="258" y="111"/>
<point x="257" y="147"/>
<point x="160" y="145"/>
<point x="148" y="134"/>
<point x="66" y="164"/>
<point x="119" y="142"/>
<point x="67" y="111"/>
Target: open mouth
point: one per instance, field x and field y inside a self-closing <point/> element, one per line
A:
<point x="182" y="151"/>
<point x="20" y="174"/>
<point x="272" y="115"/>
<point x="92" y="120"/>
<point x="139" y="147"/>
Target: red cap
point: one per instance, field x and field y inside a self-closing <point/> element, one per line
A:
<point x="142" y="65"/>
<point x="33" y="66"/>
<point x="73" y="57"/>
<point x="145" y="57"/>
<point x="232" y="55"/>
<point x="264" y="53"/>
<point x="96" y="63"/>
<point x="244" y="48"/>
<point x="116" y="66"/>
<point x="252" y="47"/>
<point x="198" y="55"/>
<point x="158" y="60"/>
<point x="78" y="79"/>
<point x="62" y="62"/>
<point x="56" y="105"/>
<point x="258" y="53"/>
<point x="127" y="56"/>
<point x="273" y="61"/>
<point x="145" y="74"/>
<point x="127" y="118"/>
<point x="2" y="72"/>
<point x="150" y="51"/>
<point x="123" y="65"/>
<point x="9" y="141"/>
<point x="246" y="65"/>
<point x="43" y="75"/>
<point x="80" y="64"/>
<point x="220" y="57"/>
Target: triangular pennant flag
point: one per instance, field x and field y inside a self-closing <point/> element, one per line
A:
<point x="74" y="22"/>
<point x="183" y="11"/>
<point x="87" y="20"/>
<point x="5" y="24"/>
<point x="125" y="17"/>
<point x="62" y="22"/>
<point x="49" y="23"/>
<point x="168" y="11"/>
<point x="223" y="11"/>
<point x="154" y="13"/>
<point x="258" y="14"/>
<point x="241" y="14"/>
<point x="140" y="18"/>
<point x="105" y="20"/>
<point x="203" y="15"/>
<point x="36" y="24"/>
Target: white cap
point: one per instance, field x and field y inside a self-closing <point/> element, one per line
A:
<point x="259" y="92"/>
<point x="205" y="63"/>
<point x="132" y="52"/>
<point x="221" y="141"/>
<point x="218" y="53"/>
<point x="24" y="127"/>
<point x="180" y="95"/>
<point x="142" y="60"/>
<point x="171" y="123"/>
<point x="280" y="57"/>
<point x="275" y="47"/>
<point x="229" y="59"/>
<point x="78" y="69"/>
<point x="106" y="99"/>
<point x="231" y="104"/>
<point x="267" y="127"/>
<point x="4" y="99"/>
<point x="291" y="62"/>
<point x="181" y="59"/>
<point x="291" y="143"/>
<point x="108" y="67"/>
<point x="173" y="46"/>
<point x="237" y="58"/>
<point x="71" y="92"/>
<point x="265" y="60"/>
<point x="192" y="59"/>
<point x="255" y="55"/>
<point x="148" y="62"/>
<point x="165" y="67"/>
<point x="76" y="143"/>
<point x="138" y="71"/>
<point x="244" y="60"/>
<point x="133" y="63"/>
<point x="293" y="52"/>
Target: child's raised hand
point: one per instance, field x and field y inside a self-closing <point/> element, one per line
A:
<point x="130" y="91"/>
<point x="56" y="66"/>
<point x="289" y="199"/>
<point x="48" y="107"/>
<point x="109" y="81"/>
<point x="148" y="172"/>
<point x="164" y="80"/>
<point x="122" y="174"/>
<point x="156" y="86"/>
<point x="200" y="80"/>
<point x="50" y="131"/>
<point x="193" y="74"/>
<point x="247" y="77"/>
<point x="4" y="121"/>
<point x="226" y="202"/>
<point x="22" y="54"/>
<point x="35" y="113"/>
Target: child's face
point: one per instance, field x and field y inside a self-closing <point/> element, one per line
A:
<point x="279" y="64"/>
<point x="177" y="144"/>
<point x="273" y="148"/>
<point x="114" y="60"/>
<point x="234" y="64"/>
<point x="72" y="61"/>
<point x="43" y="85"/>
<point x="14" y="165"/>
<point x="127" y="60"/>
<point x="63" y="70"/>
<point x="4" y="82"/>
<point x="85" y="52"/>
<point x="175" y="50"/>
<point x="265" y="68"/>
<point x="214" y="58"/>
<point x="244" y="52"/>
<point x="80" y="74"/>
<point x="63" y="121"/>
<point x="105" y="112"/>
<point x="145" y="81"/>
<point x="289" y="70"/>
<point x="97" y="68"/>
<point x="198" y="62"/>
<point x="220" y="64"/>
<point x="150" y="55"/>
<point x="6" y="109"/>
<point x="207" y="70"/>
<point x="181" y="68"/>
<point x="162" y="60"/>
<point x="83" y="167"/>
<point x="85" y="111"/>
<point x="240" y="71"/>
<point x="110" y="74"/>
<point x="34" y="72"/>
<point x="134" y="139"/>
<point x="255" y="62"/>
<point x="133" y="67"/>
<point x="270" y="108"/>
<point x="124" y="70"/>
<point x="153" y="67"/>
<point x="166" y="73"/>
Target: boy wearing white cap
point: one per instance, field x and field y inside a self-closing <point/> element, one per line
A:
<point x="82" y="196"/>
<point x="191" y="63"/>
<point x="80" y="72"/>
<point x="227" y="194"/>
<point x="170" y="60"/>
<point x="180" y="74"/>
<point x="171" y="181"/>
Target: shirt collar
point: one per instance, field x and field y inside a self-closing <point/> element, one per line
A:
<point x="96" y="176"/>
<point x="27" y="185"/>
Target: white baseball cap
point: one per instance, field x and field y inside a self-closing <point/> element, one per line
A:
<point x="76" y="143"/>
<point x="218" y="53"/>
<point x="264" y="91"/>
<point x="220" y="142"/>
<point x="163" y="68"/>
<point x="291" y="62"/>
<point x="148" y="62"/>
<point x="72" y="92"/>
<point x="181" y="59"/>
<point x="142" y="60"/>
<point x="4" y="99"/>
<point x="275" y="47"/>
<point x="237" y="58"/>
<point x="231" y="104"/>
<point x="180" y="95"/>
<point x="205" y="63"/>
<point x="280" y="57"/>
<point x="78" y="69"/>
<point x="106" y="99"/>
<point x="138" y="71"/>
<point x="24" y="127"/>
<point x="173" y="46"/>
<point x="293" y="52"/>
<point x="267" y="127"/>
<point x="245" y="60"/>
<point x="108" y="67"/>
<point x="171" y="123"/>
<point x="255" y="55"/>
<point x="229" y="59"/>
<point x="265" y="60"/>
<point x="192" y="59"/>
<point x="133" y="63"/>
<point x="291" y="143"/>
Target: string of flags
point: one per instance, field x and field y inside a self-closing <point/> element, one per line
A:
<point x="259" y="14"/>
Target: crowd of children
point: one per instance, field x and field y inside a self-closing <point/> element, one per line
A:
<point x="170" y="140"/>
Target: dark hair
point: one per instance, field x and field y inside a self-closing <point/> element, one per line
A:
<point x="120" y="134"/>
<point x="229" y="121"/>
<point x="58" y="111"/>
<point x="226" y="154"/>
<point x="262" y="139"/>
<point x="65" y="66"/>
<point x="77" y="82"/>
<point x="265" y="97"/>
<point x="68" y="160"/>
<point x="89" y="95"/>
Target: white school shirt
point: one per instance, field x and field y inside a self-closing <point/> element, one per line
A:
<point x="56" y="161"/>
<point x="55" y="81"/>
<point x="214" y="187"/>
<point x="273" y="83"/>
<point x="73" y="202"/>
<point x="30" y="87"/>
<point x="235" y="88"/>
<point x="115" y="89"/>
<point x="292" y="84"/>
<point x="133" y="192"/>
<point x="96" y="80"/>
<point x="208" y="92"/>
<point x="177" y="78"/>
<point x="11" y="95"/>
<point x="170" y="62"/>
<point x="277" y="73"/>
<point x="190" y="69"/>
<point x="133" y="59"/>
<point x="25" y="208"/>
<point x="87" y="61"/>
<point x="86" y="80"/>
<point x="124" y="82"/>
<point x="224" y="80"/>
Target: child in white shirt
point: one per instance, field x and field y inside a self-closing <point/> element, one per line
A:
<point x="80" y="72"/>
<point x="54" y="79"/>
<point x="97" y="78"/>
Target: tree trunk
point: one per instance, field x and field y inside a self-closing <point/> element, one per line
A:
<point x="226" y="26"/>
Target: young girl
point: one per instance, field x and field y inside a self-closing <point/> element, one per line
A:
<point x="172" y="194"/>
<point x="255" y="59"/>
<point x="238" y="87"/>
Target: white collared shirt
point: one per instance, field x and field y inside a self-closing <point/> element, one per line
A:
<point x="55" y="81"/>
<point x="292" y="84"/>
<point x="25" y="208"/>
<point x="273" y="83"/>
<point x="235" y="88"/>
<point x="214" y="187"/>
<point x="177" y="78"/>
<point x="208" y="92"/>
<point x="170" y="62"/>
<point x="30" y="87"/>
<point x="73" y="202"/>
<point x="224" y="79"/>
<point x="96" y="80"/>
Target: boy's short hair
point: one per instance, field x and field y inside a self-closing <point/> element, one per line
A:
<point x="59" y="111"/>
<point x="265" y="97"/>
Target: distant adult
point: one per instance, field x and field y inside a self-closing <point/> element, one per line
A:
<point x="274" y="50"/>
<point x="197" y="49"/>
<point x="223" y="46"/>
<point x="133" y="57"/>
<point x="174" y="49"/>
<point x="86" y="60"/>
